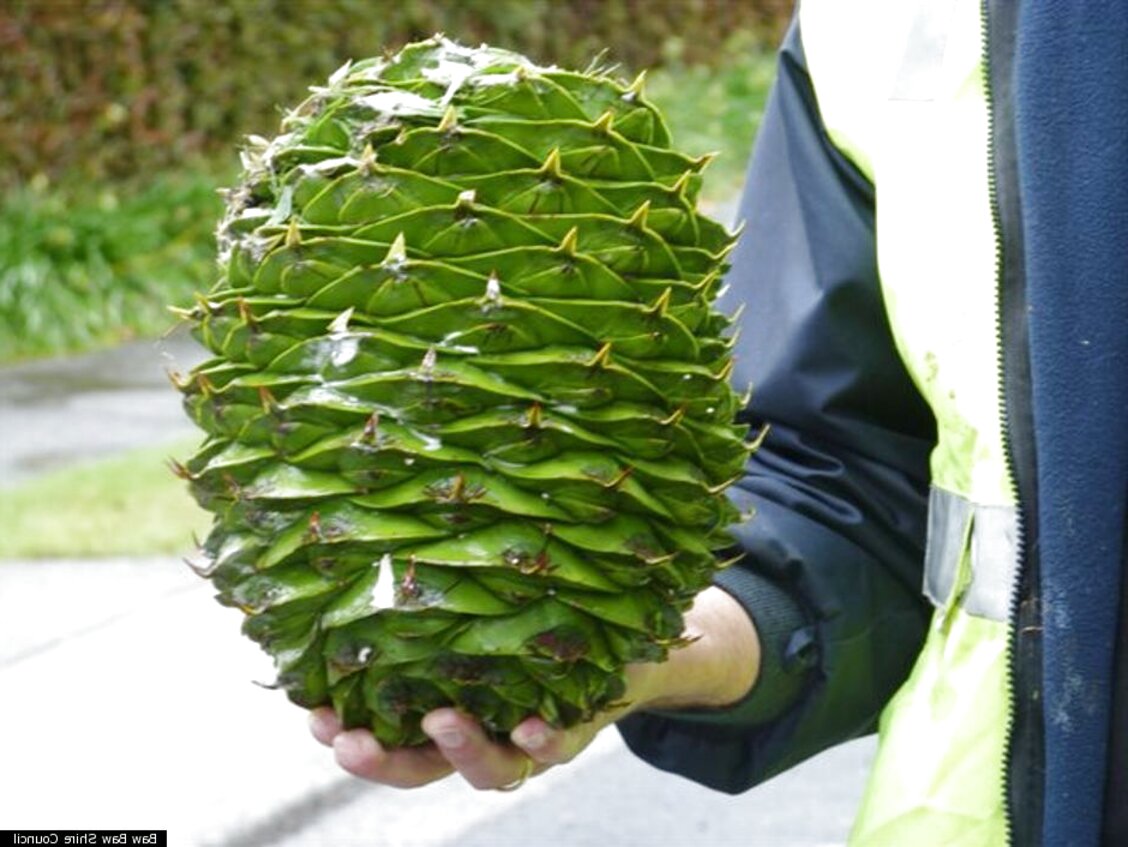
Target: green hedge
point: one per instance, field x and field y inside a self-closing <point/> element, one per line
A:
<point x="119" y="88"/>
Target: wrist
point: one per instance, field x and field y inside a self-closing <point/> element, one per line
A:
<point x="717" y="666"/>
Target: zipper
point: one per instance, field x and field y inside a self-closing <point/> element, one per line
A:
<point x="1023" y="752"/>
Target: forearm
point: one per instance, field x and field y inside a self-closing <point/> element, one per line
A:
<point x="717" y="667"/>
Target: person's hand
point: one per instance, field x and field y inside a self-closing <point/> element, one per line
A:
<point x="717" y="667"/>
<point x="458" y="744"/>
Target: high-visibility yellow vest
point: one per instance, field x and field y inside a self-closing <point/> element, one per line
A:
<point x="900" y="86"/>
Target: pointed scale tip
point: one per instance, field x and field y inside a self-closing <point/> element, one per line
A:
<point x="725" y="251"/>
<point x="201" y="570"/>
<point x="620" y="477"/>
<point x="675" y="417"/>
<point x="313" y="530"/>
<point x="339" y="75"/>
<point x="596" y="66"/>
<point x="179" y="381"/>
<point x="728" y="563"/>
<point x="371" y="428"/>
<point x="168" y="332"/>
<point x="705" y="287"/>
<point x="179" y="469"/>
<point x="724" y="373"/>
<point x="569" y="243"/>
<point x="755" y="444"/>
<point x="267" y="400"/>
<point x="703" y="161"/>
<point x="493" y="290"/>
<point x="450" y="120"/>
<point x="731" y="341"/>
<point x="745" y="398"/>
<point x="638" y="219"/>
<point x="293" y="234"/>
<point x="602" y="358"/>
<point x="204" y="305"/>
<point x="234" y="490"/>
<point x="681" y="187"/>
<point x="340" y="324"/>
<point x="367" y="159"/>
<point x="245" y="314"/>
<point x="204" y="385"/>
<point x="603" y="123"/>
<point x="535" y="416"/>
<point x="662" y="303"/>
<point x="635" y="89"/>
<point x="466" y="200"/>
<point x="551" y="166"/>
<point x="397" y="253"/>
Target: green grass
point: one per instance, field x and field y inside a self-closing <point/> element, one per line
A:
<point x="130" y="504"/>
<point x="83" y="267"/>
<point x="716" y="110"/>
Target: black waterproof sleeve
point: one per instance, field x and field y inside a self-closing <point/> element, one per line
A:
<point x="833" y="555"/>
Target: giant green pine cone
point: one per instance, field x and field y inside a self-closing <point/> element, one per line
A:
<point x="468" y="420"/>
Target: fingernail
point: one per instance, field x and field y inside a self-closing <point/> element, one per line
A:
<point x="531" y="741"/>
<point x="357" y="746"/>
<point x="449" y="738"/>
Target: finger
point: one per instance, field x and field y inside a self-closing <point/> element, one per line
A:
<point x="324" y="724"/>
<point x="361" y="755"/>
<point x="548" y="746"/>
<point x="480" y="761"/>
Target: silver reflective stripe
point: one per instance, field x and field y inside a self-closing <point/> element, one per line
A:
<point x="949" y="521"/>
<point x="981" y="581"/>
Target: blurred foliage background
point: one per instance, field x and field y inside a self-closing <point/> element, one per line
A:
<point x="120" y="118"/>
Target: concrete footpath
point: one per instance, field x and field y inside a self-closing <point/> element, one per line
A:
<point x="54" y="412"/>
<point x="127" y="702"/>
